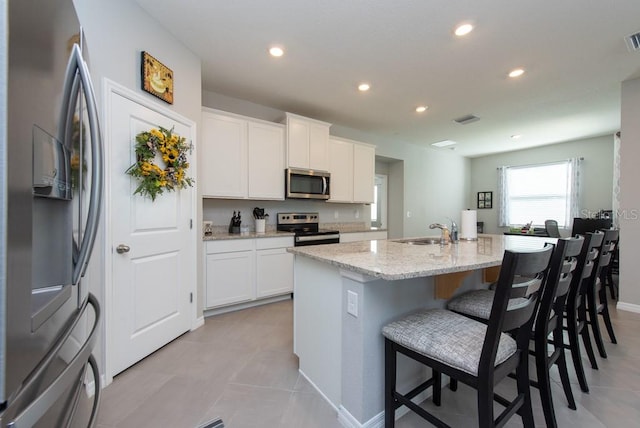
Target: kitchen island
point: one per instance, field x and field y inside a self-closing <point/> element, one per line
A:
<point x="345" y="293"/>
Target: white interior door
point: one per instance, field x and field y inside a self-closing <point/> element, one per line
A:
<point x="152" y="281"/>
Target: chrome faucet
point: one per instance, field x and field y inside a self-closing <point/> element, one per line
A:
<point x="444" y="236"/>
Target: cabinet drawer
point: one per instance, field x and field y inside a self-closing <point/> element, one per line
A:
<point x="229" y="245"/>
<point x="267" y="243"/>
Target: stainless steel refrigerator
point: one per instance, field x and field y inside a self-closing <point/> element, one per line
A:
<point x="50" y="202"/>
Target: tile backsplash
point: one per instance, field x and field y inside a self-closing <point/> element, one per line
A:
<point x="219" y="211"/>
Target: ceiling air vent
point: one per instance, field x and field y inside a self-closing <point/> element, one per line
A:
<point x="466" y="119"/>
<point x="633" y="42"/>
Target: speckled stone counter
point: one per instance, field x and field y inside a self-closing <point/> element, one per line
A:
<point x="220" y="236"/>
<point x="392" y="260"/>
<point x="344" y="295"/>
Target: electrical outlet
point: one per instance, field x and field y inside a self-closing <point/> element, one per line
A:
<point x="352" y="303"/>
<point x="357" y="214"/>
<point x="335" y="214"/>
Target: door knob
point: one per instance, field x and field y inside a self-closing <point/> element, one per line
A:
<point x="122" y="249"/>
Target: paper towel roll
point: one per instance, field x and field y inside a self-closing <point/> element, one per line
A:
<point x="468" y="225"/>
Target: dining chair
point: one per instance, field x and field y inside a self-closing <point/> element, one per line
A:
<point x="477" y="354"/>
<point x="548" y="321"/>
<point x="551" y="226"/>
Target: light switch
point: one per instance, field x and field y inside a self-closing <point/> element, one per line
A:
<point x="352" y="303"/>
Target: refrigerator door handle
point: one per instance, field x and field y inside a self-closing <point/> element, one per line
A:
<point x="77" y="68"/>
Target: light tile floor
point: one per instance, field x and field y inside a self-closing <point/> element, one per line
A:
<point x="240" y="367"/>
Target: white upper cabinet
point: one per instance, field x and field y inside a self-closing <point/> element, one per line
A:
<point x="352" y="168"/>
<point x="224" y="156"/>
<point x="341" y="169"/>
<point x="242" y="158"/>
<point x="266" y="161"/>
<point x="364" y="172"/>
<point x="307" y="143"/>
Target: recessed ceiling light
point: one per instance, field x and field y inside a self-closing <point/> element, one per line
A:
<point x="463" y="30"/>
<point x="516" y="136"/>
<point x="276" y="51"/>
<point x="517" y="72"/>
<point x="444" y="143"/>
<point x="421" y="109"/>
<point x="364" y="87"/>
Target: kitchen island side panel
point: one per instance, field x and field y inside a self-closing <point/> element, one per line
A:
<point x="317" y="326"/>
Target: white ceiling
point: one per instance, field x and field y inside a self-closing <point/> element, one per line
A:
<point x="573" y="50"/>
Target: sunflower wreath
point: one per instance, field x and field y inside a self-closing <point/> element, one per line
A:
<point x="154" y="179"/>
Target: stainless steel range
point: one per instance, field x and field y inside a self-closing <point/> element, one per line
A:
<point x="306" y="228"/>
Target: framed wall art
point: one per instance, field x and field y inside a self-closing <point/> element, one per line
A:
<point x="157" y="79"/>
<point x="485" y="200"/>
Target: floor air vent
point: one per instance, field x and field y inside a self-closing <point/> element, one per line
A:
<point x="633" y="42"/>
<point x="466" y="119"/>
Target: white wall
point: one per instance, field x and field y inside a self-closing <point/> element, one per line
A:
<point x="597" y="174"/>
<point x="116" y="32"/>
<point x="630" y="196"/>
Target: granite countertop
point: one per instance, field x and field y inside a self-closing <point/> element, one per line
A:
<point x="221" y="236"/>
<point x="392" y="260"/>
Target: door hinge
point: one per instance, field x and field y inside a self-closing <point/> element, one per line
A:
<point x="190" y="297"/>
<point x="190" y="147"/>
<point x="190" y="223"/>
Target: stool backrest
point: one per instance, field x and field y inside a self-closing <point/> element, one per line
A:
<point x="586" y="266"/>
<point x="563" y="267"/>
<point x="607" y="248"/>
<point x="522" y="274"/>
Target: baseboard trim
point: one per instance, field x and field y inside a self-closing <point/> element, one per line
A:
<point x="246" y="305"/>
<point x="347" y="420"/>
<point x="318" y="391"/>
<point x="629" y="307"/>
<point x="197" y="323"/>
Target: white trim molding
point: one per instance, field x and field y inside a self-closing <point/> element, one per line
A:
<point x="629" y="307"/>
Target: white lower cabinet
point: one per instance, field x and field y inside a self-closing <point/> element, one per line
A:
<point x="274" y="267"/>
<point x="243" y="270"/>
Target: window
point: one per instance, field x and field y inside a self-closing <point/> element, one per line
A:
<point x="536" y="193"/>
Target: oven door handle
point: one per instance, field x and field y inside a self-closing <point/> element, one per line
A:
<point x="312" y="238"/>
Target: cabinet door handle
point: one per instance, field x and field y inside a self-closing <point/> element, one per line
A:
<point x="122" y="249"/>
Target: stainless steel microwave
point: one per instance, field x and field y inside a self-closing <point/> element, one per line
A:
<point x="307" y="184"/>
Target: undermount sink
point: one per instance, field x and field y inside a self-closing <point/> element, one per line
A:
<point x="419" y="241"/>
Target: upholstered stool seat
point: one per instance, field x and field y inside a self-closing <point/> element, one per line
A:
<point x="477" y="303"/>
<point x="445" y="336"/>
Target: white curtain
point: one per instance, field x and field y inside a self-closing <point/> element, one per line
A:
<point x="503" y="197"/>
<point x="615" y="205"/>
<point x="574" y="181"/>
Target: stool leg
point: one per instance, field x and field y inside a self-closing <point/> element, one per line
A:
<point x="389" y="384"/>
<point x="605" y="315"/>
<point x="522" y="380"/>
<point x="574" y="348"/>
<point x="592" y="313"/>
<point x="584" y="333"/>
<point x="437" y="387"/>
<point x="453" y="384"/>
<point x="485" y="404"/>
<point x="561" y="362"/>
<point x="544" y="383"/>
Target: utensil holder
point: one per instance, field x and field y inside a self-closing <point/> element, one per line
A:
<point x="260" y="225"/>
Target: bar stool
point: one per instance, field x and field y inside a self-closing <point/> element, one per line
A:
<point x="479" y="355"/>
<point x="596" y="292"/>
<point x="575" y="313"/>
<point x="548" y="320"/>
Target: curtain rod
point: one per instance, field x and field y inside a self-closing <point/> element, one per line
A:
<point x="536" y="164"/>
